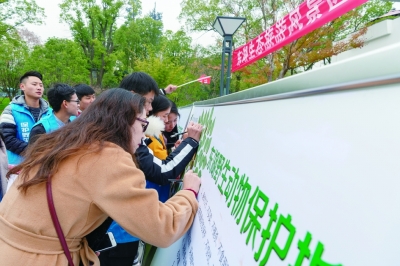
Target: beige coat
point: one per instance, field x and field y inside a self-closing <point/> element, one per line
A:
<point x="87" y="188"/>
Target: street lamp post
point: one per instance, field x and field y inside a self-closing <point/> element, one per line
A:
<point x="226" y="27"/>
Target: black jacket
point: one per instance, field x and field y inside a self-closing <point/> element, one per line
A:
<point x="171" y="140"/>
<point x="159" y="171"/>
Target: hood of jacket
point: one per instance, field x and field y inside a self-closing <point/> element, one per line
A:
<point x="156" y="126"/>
<point x="20" y="100"/>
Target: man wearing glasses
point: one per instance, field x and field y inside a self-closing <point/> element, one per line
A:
<point x="65" y="103"/>
<point x="21" y="114"/>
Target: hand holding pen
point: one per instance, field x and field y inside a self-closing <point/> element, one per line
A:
<point x="193" y="130"/>
<point x="178" y="134"/>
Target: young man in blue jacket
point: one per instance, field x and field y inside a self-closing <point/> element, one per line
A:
<point x="65" y="103"/>
<point x="21" y="114"/>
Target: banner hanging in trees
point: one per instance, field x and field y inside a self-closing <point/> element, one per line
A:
<point x="308" y="16"/>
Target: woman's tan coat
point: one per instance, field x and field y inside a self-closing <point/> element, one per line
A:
<point x="87" y="188"/>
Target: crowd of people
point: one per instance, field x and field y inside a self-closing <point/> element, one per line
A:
<point x="84" y="166"/>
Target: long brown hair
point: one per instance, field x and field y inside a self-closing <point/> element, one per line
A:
<point x="108" y="119"/>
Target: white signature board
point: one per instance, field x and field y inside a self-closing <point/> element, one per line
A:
<point x="310" y="180"/>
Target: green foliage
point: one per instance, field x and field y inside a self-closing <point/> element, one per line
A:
<point x="194" y="62"/>
<point x="368" y="12"/>
<point x="164" y="71"/>
<point x="375" y="21"/>
<point x="154" y="14"/>
<point x="137" y="40"/>
<point x="199" y="15"/>
<point x="177" y="47"/>
<point x="13" y="52"/>
<point x="15" y="13"/>
<point x="4" y="101"/>
<point x="167" y="57"/>
<point x="59" y="60"/>
<point x="93" y="25"/>
<point x="103" y="52"/>
<point x="208" y="62"/>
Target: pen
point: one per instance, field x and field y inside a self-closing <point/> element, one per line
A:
<point x="177" y="134"/>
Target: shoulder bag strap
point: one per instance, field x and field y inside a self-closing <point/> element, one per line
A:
<point x="56" y="222"/>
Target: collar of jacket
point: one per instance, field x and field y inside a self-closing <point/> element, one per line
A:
<point x="147" y="141"/>
<point x="20" y="100"/>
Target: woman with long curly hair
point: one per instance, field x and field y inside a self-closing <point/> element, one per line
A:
<point x="89" y="165"/>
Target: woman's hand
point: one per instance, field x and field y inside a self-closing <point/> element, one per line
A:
<point x="191" y="181"/>
<point x="194" y="131"/>
<point x="179" y="141"/>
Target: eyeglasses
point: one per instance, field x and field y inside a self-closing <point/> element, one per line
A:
<point x="143" y="121"/>
<point x="76" y="101"/>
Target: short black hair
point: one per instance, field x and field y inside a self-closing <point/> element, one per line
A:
<point x="30" y="74"/>
<point x="83" y="90"/>
<point x="58" y="94"/>
<point x="174" y="109"/>
<point x="160" y="103"/>
<point x="140" y="83"/>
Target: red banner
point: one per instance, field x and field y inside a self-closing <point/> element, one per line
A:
<point x="310" y="15"/>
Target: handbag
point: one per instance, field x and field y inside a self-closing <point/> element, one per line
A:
<point x="56" y="223"/>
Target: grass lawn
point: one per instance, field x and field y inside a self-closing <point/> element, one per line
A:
<point x="3" y="103"/>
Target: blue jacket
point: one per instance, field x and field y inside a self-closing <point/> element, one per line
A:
<point x="45" y="125"/>
<point x="163" y="190"/>
<point x="16" y="121"/>
<point x="49" y="123"/>
<point x="120" y="235"/>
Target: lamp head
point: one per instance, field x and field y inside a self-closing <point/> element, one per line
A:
<point x="227" y="25"/>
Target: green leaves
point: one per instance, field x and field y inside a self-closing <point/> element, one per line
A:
<point x="93" y="25"/>
<point x="59" y="60"/>
<point x="16" y="13"/>
<point x="261" y="14"/>
<point x="13" y="52"/>
<point x="111" y="39"/>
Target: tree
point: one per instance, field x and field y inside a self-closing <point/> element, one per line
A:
<point x="16" y="13"/>
<point x="154" y="14"/>
<point x="318" y="45"/>
<point x="368" y="12"/>
<point x="93" y="25"/>
<point x="137" y="39"/>
<point x="177" y="47"/>
<point x="13" y="52"/>
<point x="59" y="60"/>
<point x="175" y="61"/>
<point x="342" y="34"/>
<point x="142" y="46"/>
<point x="203" y="61"/>
<point x="199" y="15"/>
